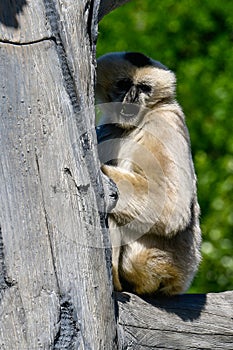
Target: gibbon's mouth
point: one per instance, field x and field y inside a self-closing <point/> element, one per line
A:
<point x="129" y="110"/>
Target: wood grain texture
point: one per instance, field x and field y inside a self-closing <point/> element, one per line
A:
<point x="55" y="284"/>
<point x="23" y="21"/>
<point x="180" y="322"/>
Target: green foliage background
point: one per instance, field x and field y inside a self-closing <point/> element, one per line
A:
<point x="194" y="38"/>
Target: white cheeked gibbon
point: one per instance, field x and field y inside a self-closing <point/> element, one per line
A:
<point x="144" y="147"/>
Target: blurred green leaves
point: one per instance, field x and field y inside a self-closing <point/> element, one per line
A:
<point x="194" y="38"/>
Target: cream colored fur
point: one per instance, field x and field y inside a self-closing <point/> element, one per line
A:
<point x="154" y="227"/>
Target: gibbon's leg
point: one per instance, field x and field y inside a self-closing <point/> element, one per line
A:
<point x="130" y="186"/>
<point x="148" y="270"/>
<point x="115" y="269"/>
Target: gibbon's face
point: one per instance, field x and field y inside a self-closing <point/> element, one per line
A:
<point x="133" y="78"/>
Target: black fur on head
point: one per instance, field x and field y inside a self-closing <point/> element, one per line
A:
<point x="138" y="59"/>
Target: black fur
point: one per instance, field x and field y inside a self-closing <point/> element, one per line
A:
<point x="138" y="59"/>
<point x="108" y="132"/>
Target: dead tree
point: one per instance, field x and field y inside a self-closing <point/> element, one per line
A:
<point x="54" y="254"/>
<point x="55" y="265"/>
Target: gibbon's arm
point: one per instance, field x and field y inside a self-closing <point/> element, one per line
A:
<point x="133" y="189"/>
<point x="147" y="204"/>
<point x="161" y="200"/>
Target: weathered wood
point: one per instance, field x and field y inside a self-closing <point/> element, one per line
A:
<point x="55" y="282"/>
<point x="181" y="322"/>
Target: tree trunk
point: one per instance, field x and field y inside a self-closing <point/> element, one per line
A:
<point x="56" y="290"/>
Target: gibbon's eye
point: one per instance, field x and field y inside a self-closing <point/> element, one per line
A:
<point x="144" y="88"/>
<point x="124" y="84"/>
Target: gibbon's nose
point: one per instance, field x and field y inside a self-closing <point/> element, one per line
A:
<point x="132" y="95"/>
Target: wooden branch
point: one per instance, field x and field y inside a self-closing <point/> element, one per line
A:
<point x="107" y="6"/>
<point x="181" y="322"/>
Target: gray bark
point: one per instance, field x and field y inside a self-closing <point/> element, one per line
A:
<point x="181" y="322"/>
<point x="54" y="254"/>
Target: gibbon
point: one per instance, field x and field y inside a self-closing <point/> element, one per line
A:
<point x="144" y="147"/>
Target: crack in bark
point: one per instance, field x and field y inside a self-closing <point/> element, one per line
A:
<point x="15" y="43"/>
<point x="5" y="282"/>
<point x="82" y="189"/>
<point x="68" y="334"/>
<point x="92" y="26"/>
<point x="69" y="81"/>
<point x="68" y="331"/>
<point x="47" y="224"/>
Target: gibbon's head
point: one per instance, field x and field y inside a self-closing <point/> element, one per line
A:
<point x="133" y="78"/>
